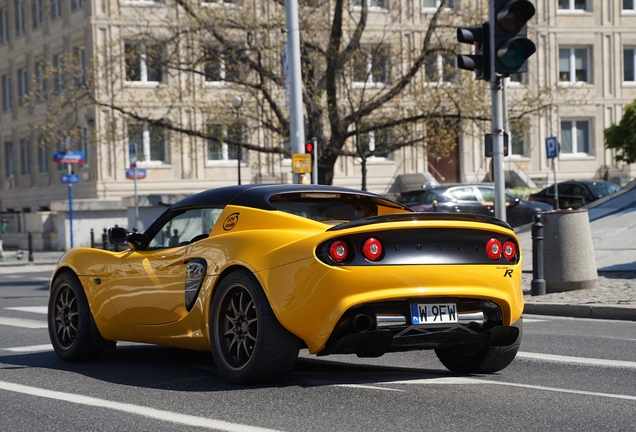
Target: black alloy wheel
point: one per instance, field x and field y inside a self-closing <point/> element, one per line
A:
<point x="69" y="320"/>
<point x="248" y="342"/>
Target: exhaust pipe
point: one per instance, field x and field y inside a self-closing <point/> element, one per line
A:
<point x="390" y="320"/>
<point x="361" y="323"/>
<point x="475" y="320"/>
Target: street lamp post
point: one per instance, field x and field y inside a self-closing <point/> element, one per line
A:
<point x="237" y="102"/>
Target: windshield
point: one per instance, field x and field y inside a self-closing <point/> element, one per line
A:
<point x="603" y="189"/>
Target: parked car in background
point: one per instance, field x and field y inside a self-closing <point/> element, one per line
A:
<point x="574" y="194"/>
<point x="471" y="198"/>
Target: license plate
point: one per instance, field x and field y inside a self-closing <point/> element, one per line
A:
<point x="442" y="313"/>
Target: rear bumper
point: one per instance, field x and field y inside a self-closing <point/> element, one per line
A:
<point x="369" y="332"/>
<point x="311" y="299"/>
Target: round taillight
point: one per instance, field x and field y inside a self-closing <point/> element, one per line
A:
<point x="372" y="249"/>
<point x="338" y="251"/>
<point x="509" y="250"/>
<point x="493" y="249"/>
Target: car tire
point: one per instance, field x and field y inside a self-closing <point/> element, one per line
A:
<point x="248" y="343"/>
<point x="69" y="320"/>
<point x="488" y="360"/>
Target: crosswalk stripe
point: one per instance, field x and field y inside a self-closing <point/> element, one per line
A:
<point x="576" y="360"/>
<point x="30" y="349"/>
<point x="153" y="413"/>
<point x="25" y="323"/>
<point x="33" y="309"/>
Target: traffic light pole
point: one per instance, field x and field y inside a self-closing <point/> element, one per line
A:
<point x="297" y="124"/>
<point x="497" y="125"/>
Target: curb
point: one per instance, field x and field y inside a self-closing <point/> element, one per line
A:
<point x="621" y="313"/>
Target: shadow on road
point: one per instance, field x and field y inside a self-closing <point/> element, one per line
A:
<point x="158" y="367"/>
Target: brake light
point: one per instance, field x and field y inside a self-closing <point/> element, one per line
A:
<point x="493" y="249"/>
<point x="338" y="251"/>
<point x="509" y="250"/>
<point x="372" y="249"/>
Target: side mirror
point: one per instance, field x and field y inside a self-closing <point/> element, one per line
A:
<point x="117" y="235"/>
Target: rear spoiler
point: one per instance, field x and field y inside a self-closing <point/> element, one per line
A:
<point x="417" y="216"/>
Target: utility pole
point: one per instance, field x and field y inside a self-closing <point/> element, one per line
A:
<point x="296" y="119"/>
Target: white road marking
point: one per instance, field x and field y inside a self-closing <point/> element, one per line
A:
<point x="167" y="416"/>
<point x="25" y="323"/>
<point x="30" y="349"/>
<point x="464" y="381"/>
<point x="367" y="387"/>
<point x="34" y="309"/>
<point x="576" y="360"/>
<point x="533" y="320"/>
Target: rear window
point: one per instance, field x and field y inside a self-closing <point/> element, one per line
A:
<point x="324" y="207"/>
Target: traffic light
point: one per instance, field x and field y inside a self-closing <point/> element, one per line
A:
<point x="480" y="61"/>
<point x="512" y="46"/>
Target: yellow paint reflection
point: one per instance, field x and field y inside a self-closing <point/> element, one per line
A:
<point x="151" y="272"/>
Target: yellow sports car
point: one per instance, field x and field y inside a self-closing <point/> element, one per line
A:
<point x="257" y="272"/>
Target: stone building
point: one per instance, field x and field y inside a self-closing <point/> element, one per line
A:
<point x="586" y="55"/>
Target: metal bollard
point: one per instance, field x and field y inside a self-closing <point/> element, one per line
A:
<point x="537" y="286"/>
<point x="92" y="238"/>
<point x="105" y="240"/>
<point x="30" y="247"/>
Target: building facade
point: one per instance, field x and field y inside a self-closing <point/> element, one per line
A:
<point x="586" y="56"/>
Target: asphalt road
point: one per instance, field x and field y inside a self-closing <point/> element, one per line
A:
<point x="571" y="374"/>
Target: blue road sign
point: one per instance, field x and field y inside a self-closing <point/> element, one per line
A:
<point x="551" y="147"/>
<point x="70" y="157"/>
<point x="70" y="178"/>
<point x="141" y="174"/>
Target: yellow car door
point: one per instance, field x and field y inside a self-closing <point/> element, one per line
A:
<point x="147" y="287"/>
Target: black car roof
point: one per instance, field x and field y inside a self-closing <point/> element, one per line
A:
<point x="257" y="196"/>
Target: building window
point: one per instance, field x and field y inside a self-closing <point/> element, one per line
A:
<point x="573" y="5"/>
<point x="629" y="64"/>
<point x="80" y="58"/>
<point x="39" y="80"/>
<point x="440" y="67"/>
<point x="9" y="167"/>
<point x="84" y="144"/>
<point x="629" y="5"/>
<point x="519" y="78"/>
<point x="22" y="86"/>
<point x="58" y="73"/>
<point x="371" y="65"/>
<point x="6" y="93"/>
<point x="220" y="147"/>
<point x="575" y="137"/>
<point x="434" y="4"/>
<point x="4" y="26"/>
<point x="221" y="66"/>
<point x="25" y="159"/>
<point x="375" y="4"/>
<point x="19" y="17"/>
<point x="56" y="9"/>
<point x="376" y="142"/>
<point x="573" y="65"/>
<point x="144" y="62"/>
<point x="150" y="139"/>
<point x="76" y="4"/>
<point x="36" y="13"/>
<point x="518" y="137"/>
<point x="43" y="157"/>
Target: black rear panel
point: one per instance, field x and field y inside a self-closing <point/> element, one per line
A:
<point x="422" y="246"/>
